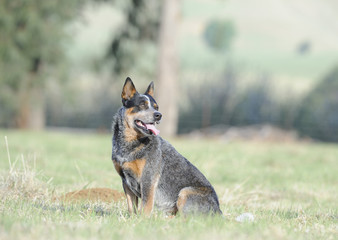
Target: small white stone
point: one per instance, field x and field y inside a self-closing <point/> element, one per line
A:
<point x="245" y="217"/>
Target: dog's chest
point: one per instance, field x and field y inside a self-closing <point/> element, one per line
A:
<point x="131" y="173"/>
<point x="134" y="167"/>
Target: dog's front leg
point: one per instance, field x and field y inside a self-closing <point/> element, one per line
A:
<point x="132" y="199"/>
<point x="148" y="189"/>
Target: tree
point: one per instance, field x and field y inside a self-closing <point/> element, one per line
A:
<point x="128" y="46"/>
<point x="167" y="92"/>
<point x="318" y="114"/>
<point x="219" y="34"/>
<point x="151" y="22"/>
<point x="31" y="36"/>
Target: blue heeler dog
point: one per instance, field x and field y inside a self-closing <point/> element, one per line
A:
<point x="150" y="168"/>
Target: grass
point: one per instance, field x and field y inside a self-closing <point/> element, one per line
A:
<point x="290" y="188"/>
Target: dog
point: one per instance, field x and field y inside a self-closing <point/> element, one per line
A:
<point x="150" y="167"/>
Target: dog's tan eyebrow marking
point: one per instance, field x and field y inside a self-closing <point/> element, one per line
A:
<point x="148" y="100"/>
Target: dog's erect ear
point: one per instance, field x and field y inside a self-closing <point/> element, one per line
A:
<point x="150" y="89"/>
<point x="128" y="90"/>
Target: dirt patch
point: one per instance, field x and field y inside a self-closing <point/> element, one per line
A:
<point x="93" y="194"/>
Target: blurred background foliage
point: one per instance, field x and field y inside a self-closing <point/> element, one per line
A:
<point x="219" y="34"/>
<point x="318" y="112"/>
<point x="63" y="63"/>
<point x="31" y="39"/>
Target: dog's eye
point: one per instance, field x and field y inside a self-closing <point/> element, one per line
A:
<point x="142" y="103"/>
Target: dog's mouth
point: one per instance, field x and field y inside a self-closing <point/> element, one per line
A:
<point x="148" y="128"/>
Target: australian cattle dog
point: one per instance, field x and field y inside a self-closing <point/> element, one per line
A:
<point x="150" y="168"/>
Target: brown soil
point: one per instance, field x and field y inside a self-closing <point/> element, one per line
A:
<point x="93" y="194"/>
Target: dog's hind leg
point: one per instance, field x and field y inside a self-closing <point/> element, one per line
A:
<point x="197" y="200"/>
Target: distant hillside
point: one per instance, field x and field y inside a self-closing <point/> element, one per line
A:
<point x="269" y="36"/>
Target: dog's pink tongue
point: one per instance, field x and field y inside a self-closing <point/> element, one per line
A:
<point x="153" y="129"/>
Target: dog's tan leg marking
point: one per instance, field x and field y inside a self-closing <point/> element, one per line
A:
<point x="148" y="202"/>
<point x="183" y="196"/>
<point x="132" y="199"/>
<point x="188" y="191"/>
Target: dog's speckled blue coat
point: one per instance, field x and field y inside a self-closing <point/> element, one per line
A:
<point x="178" y="185"/>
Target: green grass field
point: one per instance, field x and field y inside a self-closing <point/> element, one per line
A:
<point x="290" y="188"/>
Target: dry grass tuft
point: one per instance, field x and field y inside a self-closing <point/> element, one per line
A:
<point x="239" y="196"/>
<point x="22" y="182"/>
<point x="18" y="184"/>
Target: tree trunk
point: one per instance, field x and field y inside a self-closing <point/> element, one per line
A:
<point x="168" y="69"/>
<point x="37" y="118"/>
<point x="22" y="116"/>
<point x="31" y="110"/>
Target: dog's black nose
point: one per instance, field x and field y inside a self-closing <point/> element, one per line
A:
<point x="157" y="116"/>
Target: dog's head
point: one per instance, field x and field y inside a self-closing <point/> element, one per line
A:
<point x="141" y="109"/>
